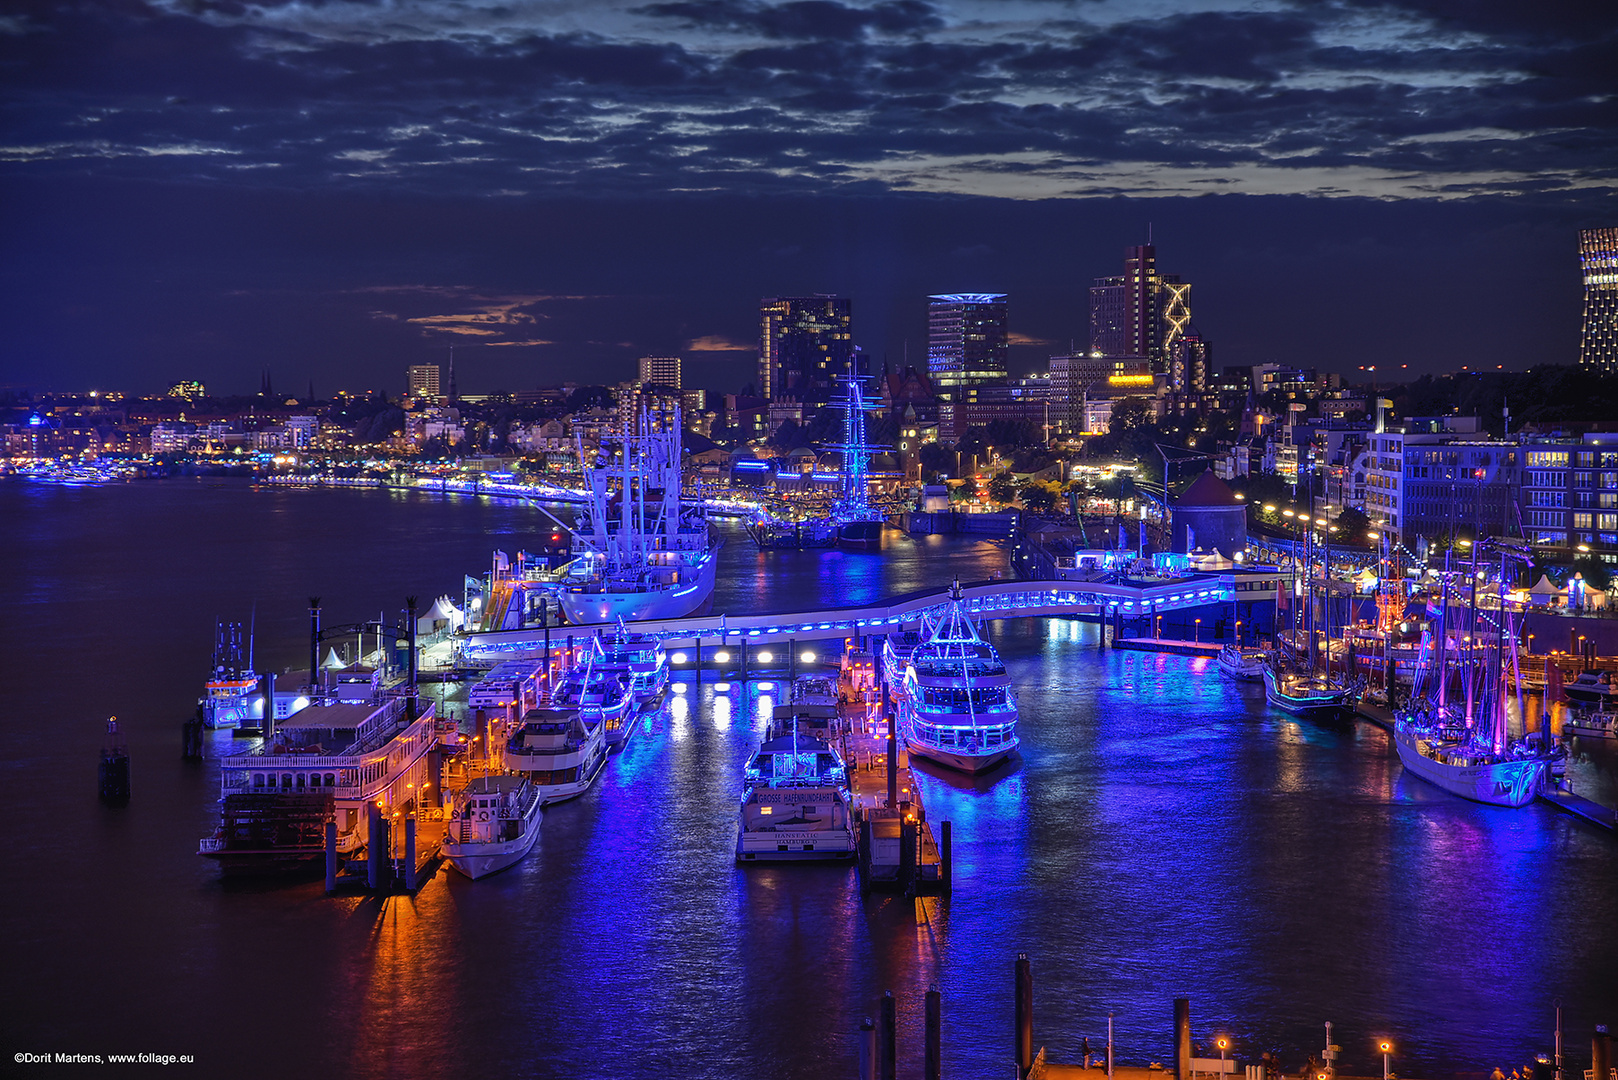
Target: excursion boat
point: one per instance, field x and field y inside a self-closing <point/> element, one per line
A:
<point x="561" y="751"/>
<point x="601" y="696"/>
<point x="1592" y="688"/>
<point x="1592" y="725"/>
<point x="327" y="763"/>
<point x="641" y="662"/>
<point x="493" y="825"/>
<point x="958" y="707"/>
<point x="1303" y="694"/>
<point x="1241" y="663"/>
<point x="795" y="802"/>
<point x="641" y="552"/>
<point x="896" y="652"/>
<point x="812" y="705"/>
<point x="230" y="696"/>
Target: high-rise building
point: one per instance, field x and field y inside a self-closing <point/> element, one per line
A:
<point x="1140" y="312"/>
<point x="662" y="370"/>
<point x="422" y="380"/>
<point x="1598" y="340"/>
<point x="966" y="341"/>
<point x="1190" y="362"/>
<point x="805" y="343"/>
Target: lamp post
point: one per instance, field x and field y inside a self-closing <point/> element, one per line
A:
<point x="1238" y="632"/>
<point x="1157" y="628"/>
<point x="1224" y="1045"/>
<point x="1197" y="638"/>
<point x="1386" y="1046"/>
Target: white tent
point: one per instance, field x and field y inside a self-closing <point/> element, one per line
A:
<point x="1543" y="590"/>
<point x="334" y="662"/>
<point x="442" y="614"/>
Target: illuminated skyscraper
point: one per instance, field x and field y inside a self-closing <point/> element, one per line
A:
<point x="966" y="341"/>
<point x="422" y="380"/>
<point x="662" y="370"/>
<point x="1598" y="341"/>
<point x="1139" y="312"/>
<point x="804" y="344"/>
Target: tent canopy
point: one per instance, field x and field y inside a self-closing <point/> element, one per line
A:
<point x="1544" y="587"/>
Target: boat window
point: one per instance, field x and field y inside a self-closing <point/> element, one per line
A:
<point x="286" y="781"/>
<point x="258" y="779"/>
<point x="331" y="780"/>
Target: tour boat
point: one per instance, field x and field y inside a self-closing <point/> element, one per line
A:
<point x="1303" y="694"/>
<point x="896" y="651"/>
<point x="493" y="825"/>
<point x="327" y="763"/>
<point x="1245" y="664"/>
<point x="641" y="662"/>
<point x="561" y="750"/>
<point x="958" y="707"/>
<point x="795" y="802"/>
<point x="602" y="696"/>
<point x="1592" y="724"/>
<point x="1592" y="688"/>
<point x="641" y="552"/>
<point x="230" y="696"/>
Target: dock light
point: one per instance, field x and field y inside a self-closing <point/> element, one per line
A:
<point x="677" y="658"/>
<point x="765" y="657"/>
<point x="1269" y="507"/>
<point x="807" y="657"/>
<point x="1584" y="547"/>
<point x="721" y="657"/>
<point x="679" y="688"/>
<point x="721" y="688"/>
<point x="766" y="686"/>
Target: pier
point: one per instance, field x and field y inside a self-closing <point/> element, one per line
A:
<point x="898" y="849"/>
<point x="1209" y="649"/>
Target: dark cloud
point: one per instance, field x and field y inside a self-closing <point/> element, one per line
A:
<point x="802" y="19"/>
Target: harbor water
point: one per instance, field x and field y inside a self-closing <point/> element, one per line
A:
<point x="1162" y="834"/>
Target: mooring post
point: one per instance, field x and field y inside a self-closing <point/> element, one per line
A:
<point x="268" y="726"/>
<point x="890" y="1037"/>
<point x="331" y="857"/>
<point x="893" y="749"/>
<point x="933" y="1062"/>
<point x="867" y="1049"/>
<point x="314" y="642"/>
<point x="1023" y="1015"/>
<point x="741" y="649"/>
<point x="699" y="660"/>
<point x="410" y="854"/>
<point x="374" y="842"/>
<point x="909" y="837"/>
<point x="1182" y="1038"/>
<point x="946" y="865"/>
<point x="1601" y="1054"/>
<point x="792" y="661"/>
<point x="410" y="632"/>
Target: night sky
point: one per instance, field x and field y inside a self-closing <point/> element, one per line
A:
<point x="333" y="190"/>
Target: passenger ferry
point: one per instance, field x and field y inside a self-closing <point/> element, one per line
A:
<point x="958" y="707"/>
<point x="493" y="825"/>
<point x="795" y="801"/>
<point x="1303" y="694"/>
<point x="561" y="751"/>
<point x="641" y="662"/>
<point x="325" y="764"/>
<point x="601" y="696"/>
<point x="230" y="696"/>
<point x="1242" y="663"/>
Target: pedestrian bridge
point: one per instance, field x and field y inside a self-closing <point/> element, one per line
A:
<point x="985" y="600"/>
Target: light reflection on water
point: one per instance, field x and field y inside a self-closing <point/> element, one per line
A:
<point x="1160" y="833"/>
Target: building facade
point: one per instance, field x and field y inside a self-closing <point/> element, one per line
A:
<point x="1570" y="495"/>
<point x="421" y="381"/>
<point x="1598" y="337"/>
<point x="1140" y="312"/>
<point x="967" y="342"/>
<point x="662" y="370"/>
<point x="805" y="343"/>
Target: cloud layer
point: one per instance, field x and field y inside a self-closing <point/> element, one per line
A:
<point x="1415" y="99"/>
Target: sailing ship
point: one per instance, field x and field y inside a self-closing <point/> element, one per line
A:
<point x="957" y="706"/>
<point x="1306" y="691"/>
<point x="1464" y="746"/>
<point x="641" y="552"/>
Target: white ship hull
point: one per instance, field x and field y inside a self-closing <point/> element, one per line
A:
<point x="585" y="606"/>
<point x="480" y="860"/>
<point x="1243" y="668"/>
<point x="956" y="759"/>
<point x="830" y="836"/>
<point x="1506" y="783"/>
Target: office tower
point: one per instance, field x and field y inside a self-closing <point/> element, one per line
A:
<point x="662" y="370"/>
<point x="422" y="380"/>
<point x="1140" y="312"/>
<point x="1598" y="340"/>
<point x="805" y="343"/>
<point x="966" y="341"/>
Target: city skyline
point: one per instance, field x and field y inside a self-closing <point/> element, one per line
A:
<point x="334" y="194"/>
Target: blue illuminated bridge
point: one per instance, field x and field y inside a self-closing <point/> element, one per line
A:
<point x="986" y="600"/>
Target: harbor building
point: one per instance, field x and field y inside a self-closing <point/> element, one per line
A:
<point x="1140" y="312"/>
<point x="422" y="381"/>
<point x="967" y="343"/>
<point x="805" y="343"/>
<point x="661" y="370"/>
<point x="1598" y="337"/>
<point x="1570" y="495"/>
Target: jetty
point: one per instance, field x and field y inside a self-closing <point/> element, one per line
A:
<point x="899" y="851"/>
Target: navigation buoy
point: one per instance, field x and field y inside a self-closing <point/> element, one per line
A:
<point x="114" y="771"/>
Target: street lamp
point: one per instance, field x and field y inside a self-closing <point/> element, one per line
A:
<point x="1238" y="632"/>
<point x="1198" y="632"/>
<point x="1386" y="1046"/>
<point x="1224" y="1045"/>
<point x="1157" y="630"/>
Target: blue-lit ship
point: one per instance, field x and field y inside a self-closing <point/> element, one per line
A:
<point x="795" y="801"/>
<point x="1242" y="663"/>
<point x="600" y="693"/>
<point x="230" y="697"/>
<point x="641" y="553"/>
<point x="494" y="823"/>
<point x="640" y="662"/>
<point x="1462" y="742"/>
<point x="956" y="703"/>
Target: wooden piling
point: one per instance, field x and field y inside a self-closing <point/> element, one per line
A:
<point x="410" y="854"/>
<point x="1182" y="1037"/>
<point x="331" y="857"/>
<point x="1023" y="1015"/>
<point x="375" y="847"/>
<point x="946" y="861"/>
<point x="867" y="1049"/>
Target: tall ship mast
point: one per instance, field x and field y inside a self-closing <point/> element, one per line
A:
<point x="859" y="526"/>
<point x="1464" y="745"/>
<point x="641" y="552"/>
